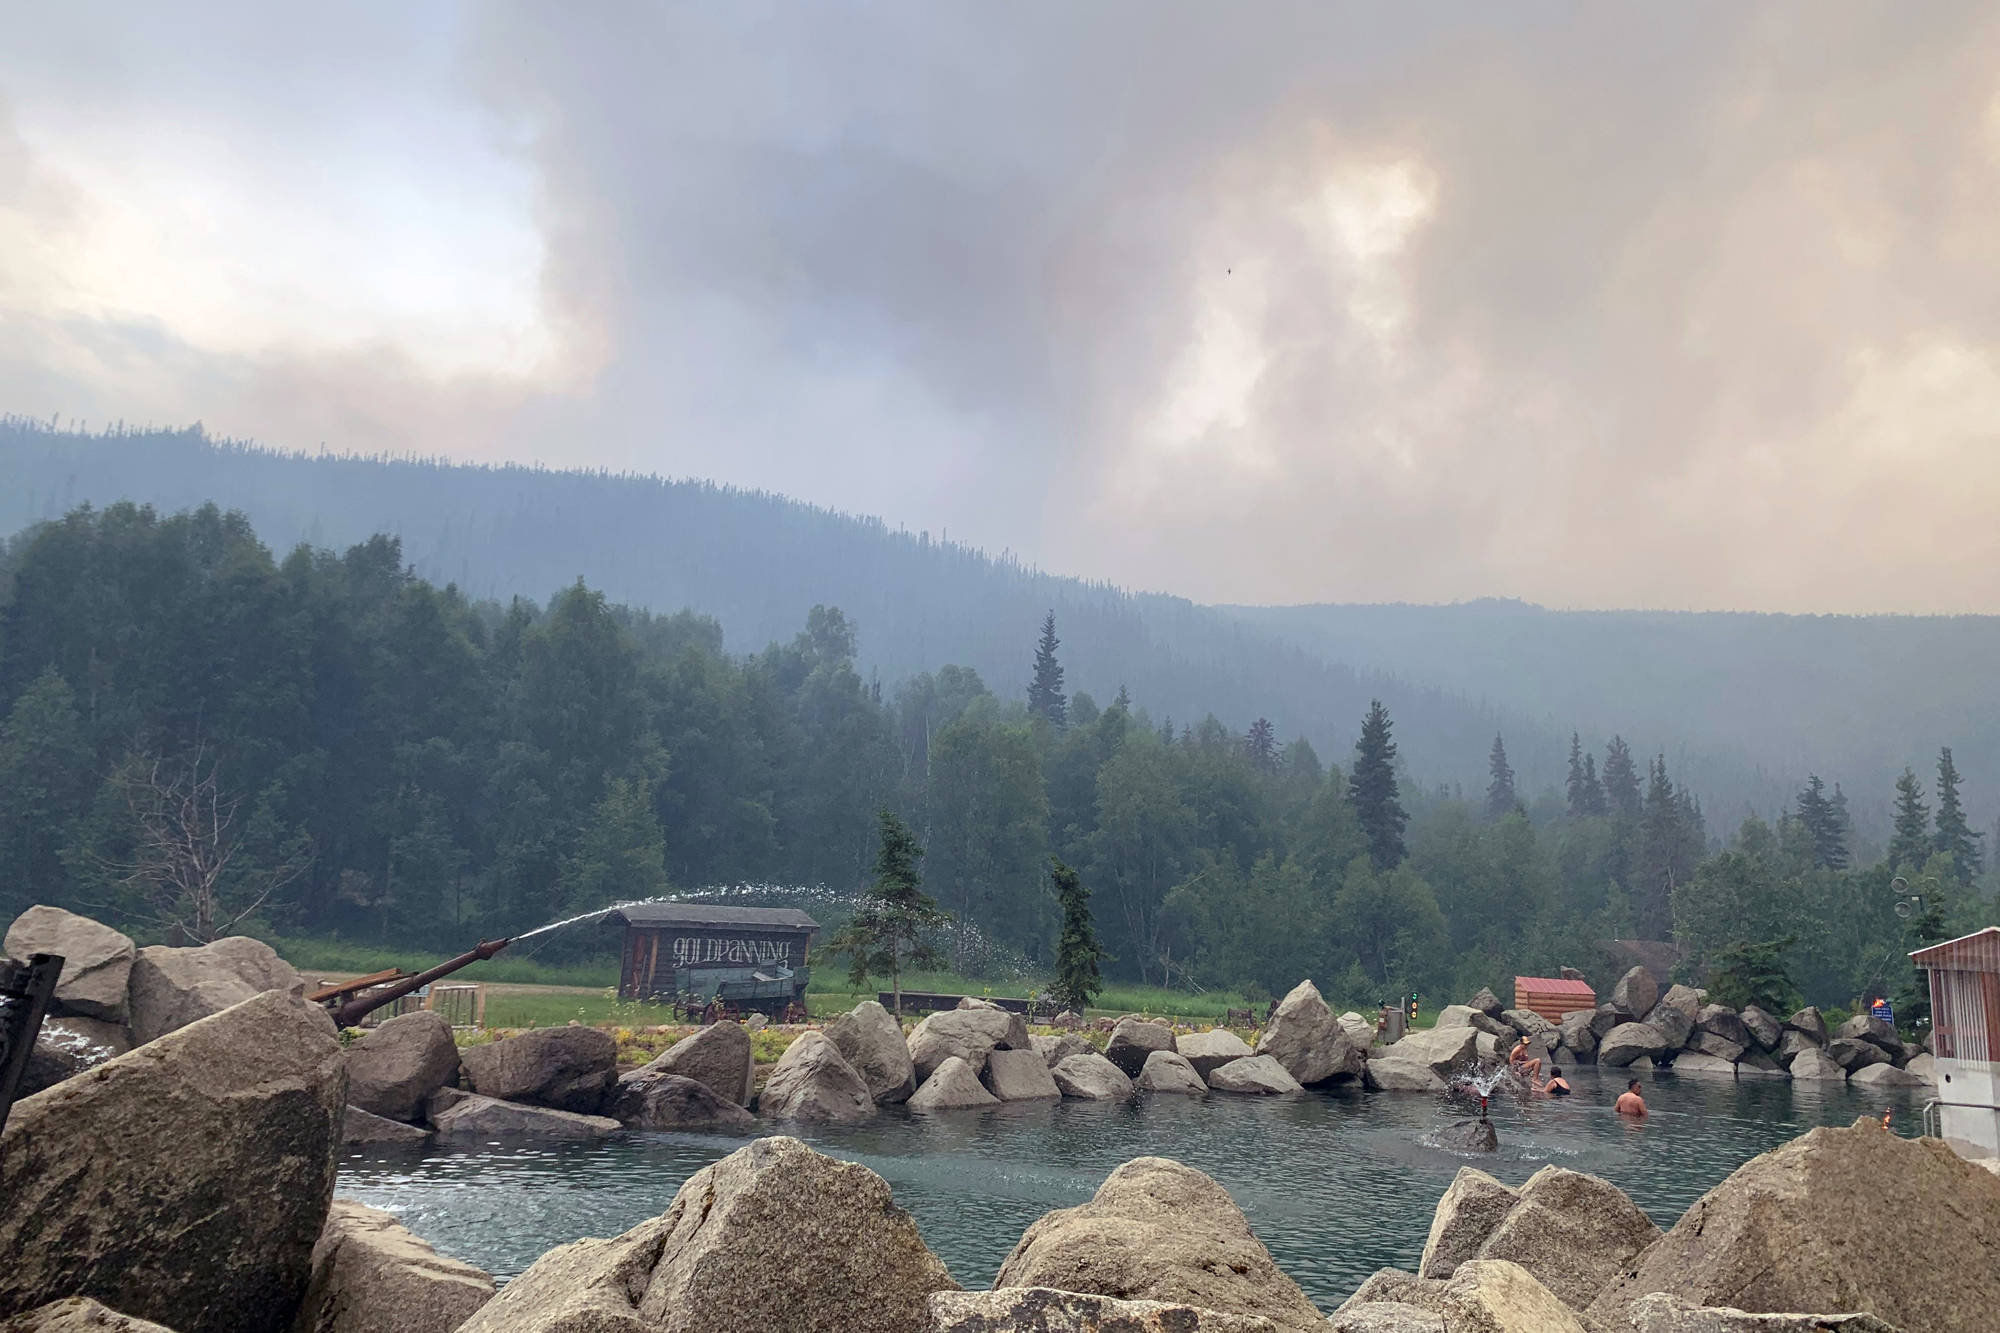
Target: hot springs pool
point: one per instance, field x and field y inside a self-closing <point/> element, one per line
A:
<point x="1336" y="1184"/>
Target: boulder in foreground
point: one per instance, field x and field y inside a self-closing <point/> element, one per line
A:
<point x="232" y="1121"/>
<point x="171" y="988"/>
<point x="78" y="1314"/>
<point x="719" y="1057"/>
<point x="814" y="1084"/>
<point x="954" y="1087"/>
<point x="97" y="960"/>
<point x="773" y="1236"/>
<point x="1092" y="1078"/>
<point x="649" y="1098"/>
<point x="1046" y="1310"/>
<point x="564" y="1069"/>
<point x="1260" y="1075"/>
<point x="1159" y="1231"/>
<point x="393" y="1069"/>
<point x="1574" y="1232"/>
<point x="1483" y="1296"/>
<point x="1020" y="1076"/>
<point x="1305" y="1037"/>
<point x="371" y="1274"/>
<point x="871" y="1040"/>
<point x="1794" y="1228"/>
<point x="1472" y="1206"/>
<point x="1209" y="1051"/>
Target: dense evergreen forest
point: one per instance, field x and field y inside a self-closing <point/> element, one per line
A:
<point x="1738" y="704"/>
<point x="198" y="732"/>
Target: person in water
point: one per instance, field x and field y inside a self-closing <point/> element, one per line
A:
<point x="1557" y="1086"/>
<point x="1631" y="1103"/>
<point x="1522" y="1063"/>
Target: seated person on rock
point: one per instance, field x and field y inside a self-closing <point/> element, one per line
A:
<point x="1631" y="1103"/>
<point x="1522" y="1063"/>
<point x="1557" y="1085"/>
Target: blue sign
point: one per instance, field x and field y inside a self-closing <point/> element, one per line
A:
<point x="1880" y="1009"/>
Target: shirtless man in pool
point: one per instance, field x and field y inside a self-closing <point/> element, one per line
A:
<point x="1631" y="1103"/>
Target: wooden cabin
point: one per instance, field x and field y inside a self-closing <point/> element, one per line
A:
<point x="1553" y="997"/>
<point x="1965" y="1026"/>
<point x="674" y="948"/>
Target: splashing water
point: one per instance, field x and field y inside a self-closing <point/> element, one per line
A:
<point x="587" y="916"/>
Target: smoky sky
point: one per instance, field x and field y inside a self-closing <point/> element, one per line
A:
<point x="1681" y="306"/>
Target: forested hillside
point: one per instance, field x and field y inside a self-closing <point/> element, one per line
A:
<point x="197" y="733"/>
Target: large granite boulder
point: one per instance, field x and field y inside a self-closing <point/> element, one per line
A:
<point x="1472" y="1206"/>
<point x="1060" y="1047"/>
<point x="1574" y="1232"/>
<point x="1801" y="1228"/>
<point x="97" y="960"/>
<point x="1133" y="1040"/>
<point x="1793" y="1043"/>
<point x="393" y="1070"/>
<point x="371" y="1274"/>
<point x="871" y="1040"/>
<point x="1529" y="1024"/>
<point x="773" y="1236"/>
<point x="1486" y="1002"/>
<point x="969" y="1034"/>
<point x="479" y="1117"/>
<point x="1388" y="1072"/>
<point x="1721" y="1021"/>
<point x="1700" y="1062"/>
<point x="719" y="1056"/>
<point x="1166" y="1071"/>
<point x="1716" y="1046"/>
<point x="1046" y="1310"/>
<point x="1483" y="1296"/>
<point x="1260" y="1075"/>
<point x="1812" y="1066"/>
<point x="1662" y="1313"/>
<point x="1092" y="1078"/>
<point x="78" y="1314"/>
<point x="1884" y="1075"/>
<point x="648" y="1098"/>
<point x="1757" y="1064"/>
<point x="1385" y="1317"/>
<point x="1674" y="1015"/>
<point x="1606" y="1017"/>
<point x="1852" y="1053"/>
<point x="1576" y="1035"/>
<point x="1020" y="1076"/>
<point x="1305" y="1037"/>
<point x="953" y="1086"/>
<point x="1358" y="1029"/>
<point x="171" y="988"/>
<point x="1923" y="1066"/>
<point x="1631" y="1041"/>
<point x="1465" y="1016"/>
<point x="1765" y="1030"/>
<point x="564" y="1069"/>
<point x="1876" y="1032"/>
<point x="813" y="1083"/>
<point x="1209" y="1051"/>
<point x="184" y="1182"/>
<point x="1160" y="1231"/>
<point x="1635" y="995"/>
<point x="1809" y="1021"/>
<point x="359" y="1127"/>
<point x="1444" y="1050"/>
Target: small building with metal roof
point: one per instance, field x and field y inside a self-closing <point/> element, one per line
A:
<point x="1965" y="1035"/>
<point x="1553" y="997"/>
<point x="676" y="949"/>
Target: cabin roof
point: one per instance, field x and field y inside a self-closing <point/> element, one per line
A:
<point x="657" y="915"/>
<point x="1977" y="952"/>
<point x="1554" y="986"/>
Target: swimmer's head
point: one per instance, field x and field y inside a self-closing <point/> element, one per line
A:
<point x="1633" y="1086"/>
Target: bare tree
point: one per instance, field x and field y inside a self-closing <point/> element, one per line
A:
<point x="185" y="867"/>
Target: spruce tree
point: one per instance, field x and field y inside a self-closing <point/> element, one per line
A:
<point x="1262" y="746"/>
<point x="1574" y="788"/>
<point x="1910" y="844"/>
<point x="1954" y="837"/>
<point x="1045" y="691"/>
<point x="1593" y="790"/>
<point x="1500" y="800"/>
<point x="1824" y="825"/>
<point x="1621" y="780"/>
<point x="886" y="934"/>
<point x="1077" y="951"/>
<point x="1372" y="791"/>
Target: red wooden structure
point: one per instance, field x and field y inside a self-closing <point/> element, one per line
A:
<point x="1552" y="997"/>
<point x="1965" y="995"/>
